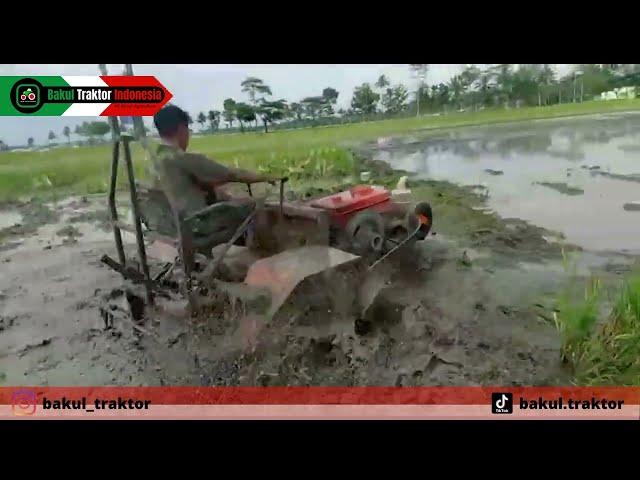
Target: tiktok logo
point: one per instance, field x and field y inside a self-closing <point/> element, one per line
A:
<point x="501" y="403"/>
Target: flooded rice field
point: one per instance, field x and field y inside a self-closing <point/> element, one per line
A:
<point x="571" y="175"/>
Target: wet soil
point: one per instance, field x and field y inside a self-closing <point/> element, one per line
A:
<point x="457" y="309"/>
<point x="472" y="304"/>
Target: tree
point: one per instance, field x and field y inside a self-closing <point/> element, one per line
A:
<point x="67" y="133"/>
<point x="92" y="129"/>
<point x="270" y="111"/>
<point x="98" y="128"/>
<point x="457" y="89"/>
<point x="330" y="97"/>
<point x="364" y="99"/>
<point x="30" y="142"/>
<point x="313" y="106"/>
<point x="394" y="100"/>
<point x="545" y="79"/>
<point x="214" y="119"/>
<point x="254" y="86"/>
<point x="421" y="69"/>
<point x="202" y="119"/>
<point x="483" y="90"/>
<point x="229" y="111"/>
<point x="593" y="79"/>
<point x="503" y="76"/>
<point x="470" y="79"/>
<point x="297" y="110"/>
<point x="52" y="135"/>
<point x="470" y="75"/>
<point x="524" y="84"/>
<point x="245" y="113"/>
<point x="382" y="82"/>
<point x="3" y="146"/>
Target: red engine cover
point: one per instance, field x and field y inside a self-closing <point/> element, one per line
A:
<point x="353" y="200"/>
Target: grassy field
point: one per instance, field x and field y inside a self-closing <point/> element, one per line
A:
<point x="317" y="152"/>
<point x="602" y="352"/>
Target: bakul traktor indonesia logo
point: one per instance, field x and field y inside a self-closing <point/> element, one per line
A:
<point x="26" y="95"/>
<point x="82" y="96"/>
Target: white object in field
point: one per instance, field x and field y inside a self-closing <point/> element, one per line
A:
<point x="365" y="176"/>
<point x="401" y="193"/>
<point x="383" y="141"/>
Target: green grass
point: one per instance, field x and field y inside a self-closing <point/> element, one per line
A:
<point x="317" y="152"/>
<point x="603" y="352"/>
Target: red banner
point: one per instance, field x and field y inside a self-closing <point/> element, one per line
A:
<point x="135" y="95"/>
<point x="322" y="395"/>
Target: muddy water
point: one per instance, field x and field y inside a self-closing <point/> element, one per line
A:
<point x="571" y="175"/>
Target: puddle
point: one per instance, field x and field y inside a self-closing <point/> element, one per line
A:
<point x="571" y="175"/>
<point x="9" y="219"/>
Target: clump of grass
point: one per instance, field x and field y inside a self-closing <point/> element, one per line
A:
<point x="314" y="163"/>
<point x="576" y="320"/>
<point x="602" y="352"/>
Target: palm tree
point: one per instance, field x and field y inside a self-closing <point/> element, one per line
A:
<point x="456" y="87"/>
<point x="214" y="119"/>
<point x="504" y="79"/>
<point x="202" y="119"/>
<point x="67" y="133"/>
<point x="382" y="82"/>
<point x="484" y="87"/>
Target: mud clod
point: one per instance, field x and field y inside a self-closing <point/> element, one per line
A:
<point x="7" y="321"/>
<point x="136" y="306"/>
<point x="26" y="349"/>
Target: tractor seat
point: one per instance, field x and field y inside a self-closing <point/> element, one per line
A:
<point x="158" y="217"/>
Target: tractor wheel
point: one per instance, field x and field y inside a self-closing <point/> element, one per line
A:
<point x="365" y="233"/>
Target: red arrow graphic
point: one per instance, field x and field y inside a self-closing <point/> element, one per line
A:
<point x="135" y="109"/>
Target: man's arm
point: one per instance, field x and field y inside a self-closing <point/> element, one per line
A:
<point x="213" y="173"/>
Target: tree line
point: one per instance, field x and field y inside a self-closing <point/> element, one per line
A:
<point x="259" y="108"/>
<point x="496" y="86"/>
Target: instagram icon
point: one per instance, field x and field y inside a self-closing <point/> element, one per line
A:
<point x="24" y="402"/>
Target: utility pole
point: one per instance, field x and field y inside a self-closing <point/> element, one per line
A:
<point x="420" y="71"/>
<point x="577" y="74"/>
<point x="421" y="77"/>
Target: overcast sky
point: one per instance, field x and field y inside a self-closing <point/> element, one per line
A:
<point x="202" y="87"/>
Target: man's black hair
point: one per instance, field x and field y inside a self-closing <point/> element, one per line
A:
<point x="169" y="118"/>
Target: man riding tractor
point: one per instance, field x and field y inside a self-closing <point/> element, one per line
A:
<point x="191" y="182"/>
